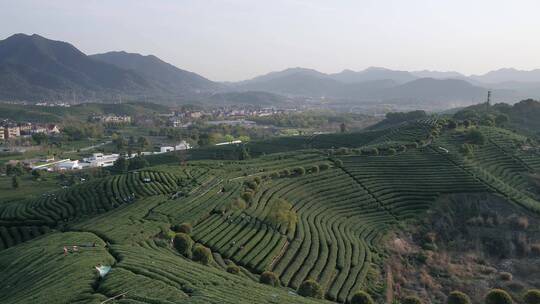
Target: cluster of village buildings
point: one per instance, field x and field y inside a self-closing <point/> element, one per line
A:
<point x="108" y="118"/>
<point x="12" y="130"/>
<point x="230" y="116"/>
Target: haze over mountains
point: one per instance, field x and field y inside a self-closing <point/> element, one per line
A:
<point x="35" y="68"/>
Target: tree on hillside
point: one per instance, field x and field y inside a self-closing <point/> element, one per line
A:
<point x="36" y="174"/>
<point x="183" y="228"/>
<point x="282" y="214"/>
<point x="40" y="138"/>
<point x="119" y="142"/>
<point x="476" y="137"/>
<point x="15" y="182"/>
<point x="142" y="142"/>
<point x="310" y="288"/>
<point x="202" y="254"/>
<point x="183" y="244"/>
<point x="244" y="138"/>
<point x="343" y="127"/>
<point x="233" y="269"/>
<point x="502" y="119"/>
<point x="243" y="153"/>
<point x="137" y="163"/>
<point x="121" y="165"/>
<point x="269" y="278"/>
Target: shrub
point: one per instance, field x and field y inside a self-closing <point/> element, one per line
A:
<point x="15" y="182"/>
<point x="137" y="163"/>
<point x="310" y="288"/>
<point x="532" y="296"/>
<point x="282" y="213"/>
<point x="314" y="169"/>
<point x="338" y="163"/>
<point x="498" y="296"/>
<point x="285" y="173"/>
<point x="411" y="300"/>
<point x="467" y="149"/>
<point x="324" y="166"/>
<point x="501" y="119"/>
<point x="362" y="297"/>
<point x="505" y="276"/>
<point x="183" y="228"/>
<point x="299" y="171"/>
<point x="392" y="151"/>
<point x="183" y="244"/>
<point x="202" y="254"/>
<point x="274" y="175"/>
<point x="458" y="297"/>
<point x="251" y="184"/>
<point x="269" y="278"/>
<point x="475" y="137"/>
<point x="233" y="269"/>
<point x="247" y="196"/>
<point x="237" y="204"/>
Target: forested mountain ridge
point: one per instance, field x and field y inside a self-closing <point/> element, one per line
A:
<point x="162" y="74"/>
<point x="36" y="68"/>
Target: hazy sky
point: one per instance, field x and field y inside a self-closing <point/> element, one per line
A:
<point x="239" y="39"/>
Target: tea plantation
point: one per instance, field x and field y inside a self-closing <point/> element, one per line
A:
<point x="303" y="208"/>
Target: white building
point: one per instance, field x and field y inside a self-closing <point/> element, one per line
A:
<point x="183" y="145"/>
<point x="229" y="142"/>
<point x="68" y="165"/>
<point x="166" y="149"/>
<point x="101" y="160"/>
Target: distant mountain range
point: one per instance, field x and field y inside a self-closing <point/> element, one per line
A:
<point x="35" y="68"/>
<point x="373" y="84"/>
<point x="400" y="87"/>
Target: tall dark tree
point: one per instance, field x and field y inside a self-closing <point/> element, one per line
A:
<point x="15" y="182"/>
<point x="121" y="165"/>
<point x="343" y="127"/>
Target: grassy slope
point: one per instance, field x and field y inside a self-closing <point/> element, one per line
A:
<point x="38" y="272"/>
<point x="77" y="112"/>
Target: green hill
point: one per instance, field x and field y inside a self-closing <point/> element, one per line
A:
<point x="79" y="112"/>
<point x="318" y="207"/>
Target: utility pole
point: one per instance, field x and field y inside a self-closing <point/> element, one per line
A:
<point x="488" y="101"/>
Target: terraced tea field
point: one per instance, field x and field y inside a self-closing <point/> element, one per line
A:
<point x="303" y="208"/>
